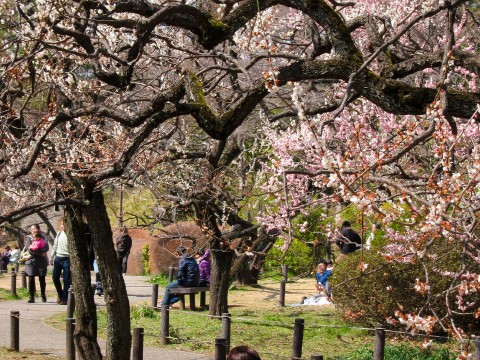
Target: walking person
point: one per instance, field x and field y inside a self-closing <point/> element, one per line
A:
<point x="36" y="261"/>
<point x="61" y="265"/>
<point x="124" y="244"/>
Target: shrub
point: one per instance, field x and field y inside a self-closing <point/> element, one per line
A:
<point x="374" y="295"/>
<point x="401" y="352"/>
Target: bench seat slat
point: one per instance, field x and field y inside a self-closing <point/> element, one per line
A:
<point x="189" y="290"/>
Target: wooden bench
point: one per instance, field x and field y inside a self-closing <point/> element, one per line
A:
<point x="191" y="291"/>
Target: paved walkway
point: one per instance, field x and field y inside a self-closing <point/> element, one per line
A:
<point x="35" y="335"/>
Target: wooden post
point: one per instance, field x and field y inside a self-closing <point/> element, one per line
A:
<point x="477" y="347"/>
<point x="154" y="295"/>
<point x="70" y="345"/>
<point x="298" y="338"/>
<point x="316" y="357"/>
<point x="281" y="299"/>
<point x="203" y="302"/>
<point x="70" y="302"/>
<point x="192" y="301"/>
<point x="24" y="279"/>
<point x="15" y="330"/>
<point x="164" y="324"/>
<point x="285" y="272"/>
<point x="220" y="350"/>
<point x="379" y="349"/>
<point x="137" y="351"/>
<point x="171" y="273"/>
<point x="226" y="326"/>
<point x="13" y="283"/>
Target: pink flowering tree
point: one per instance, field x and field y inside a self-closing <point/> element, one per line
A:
<point x="417" y="174"/>
<point x="374" y="100"/>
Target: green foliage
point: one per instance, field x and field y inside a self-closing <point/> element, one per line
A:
<point x="138" y="312"/>
<point x="146" y="259"/>
<point x="299" y="258"/>
<point x="160" y="279"/>
<point x="138" y="205"/>
<point x="401" y="352"/>
<point x="353" y="214"/>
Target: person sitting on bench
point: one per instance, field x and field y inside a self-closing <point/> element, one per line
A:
<point x="188" y="276"/>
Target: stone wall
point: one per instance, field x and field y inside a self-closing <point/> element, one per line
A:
<point x="162" y="245"/>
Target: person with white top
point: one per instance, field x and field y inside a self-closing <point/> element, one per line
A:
<point x="61" y="265"/>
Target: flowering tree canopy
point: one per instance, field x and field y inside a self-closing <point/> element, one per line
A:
<point x="375" y="100"/>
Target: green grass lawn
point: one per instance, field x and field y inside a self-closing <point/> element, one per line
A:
<point x="271" y="333"/>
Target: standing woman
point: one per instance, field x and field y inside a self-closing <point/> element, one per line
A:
<point x="36" y="264"/>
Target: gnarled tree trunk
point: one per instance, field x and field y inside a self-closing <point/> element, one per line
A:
<point x="118" y="308"/>
<point x="220" y="281"/>
<point x="86" y="314"/>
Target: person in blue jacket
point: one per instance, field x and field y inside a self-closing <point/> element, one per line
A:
<point x="322" y="276"/>
<point x="188" y="276"/>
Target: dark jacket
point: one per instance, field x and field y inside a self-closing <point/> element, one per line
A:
<point x="124" y="244"/>
<point x="205" y="268"/>
<point x="188" y="272"/>
<point x="349" y="241"/>
<point x="37" y="265"/>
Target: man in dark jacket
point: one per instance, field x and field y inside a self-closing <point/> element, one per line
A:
<point x="348" y="241"/>
<point x="124" y="244"/>
<point x="188" y="276"/>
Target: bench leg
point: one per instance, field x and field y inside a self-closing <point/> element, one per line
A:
<point x="182" y="301"/>
<point x="192" y="302"/>
<point x="202" y="299"/>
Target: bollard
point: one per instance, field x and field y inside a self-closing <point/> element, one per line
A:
<point x="379" y="343"/>
<point x="70" y="345"/>
<point x="298" y="338"/>
<point x="13" y="283"/>
<point x="203" y="302"/>
<point x="220" y="353"/>
<point x="281" y="294"/>
<point x="164" y="324"/>
<point x="154" y="295"/>
<point x="226" y="326"/>
<point x="70" y="302"/>
<point x="316" y="357"/>
<point x="15" y="330"/>
<point x="171" y="273"/>
<point x="285" y="272"/>
<point x="24" y="279"/>
<point x="137" y="351"/>
<point x="477" y="347"/>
